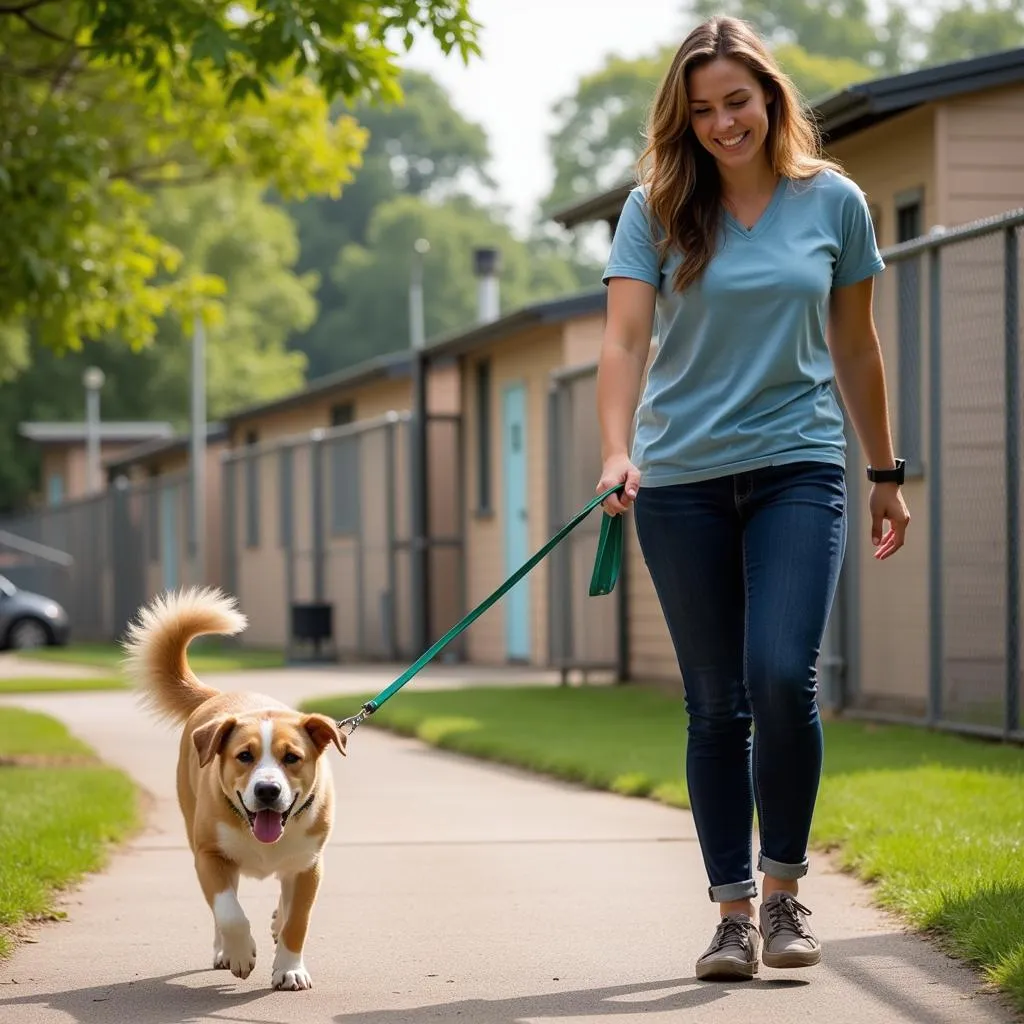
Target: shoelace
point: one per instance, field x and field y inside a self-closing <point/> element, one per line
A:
<point x="731" y="930"/>
<point x="785" y="913"/>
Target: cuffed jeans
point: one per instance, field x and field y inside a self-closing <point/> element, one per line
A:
<point x="745" y="568"/>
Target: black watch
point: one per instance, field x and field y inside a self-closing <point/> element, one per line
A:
<point x="889" y="476"/>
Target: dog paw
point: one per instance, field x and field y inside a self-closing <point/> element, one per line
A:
<point x="275" y="927"/>
<point x="289" y="973"/>
<point x="292" y="981"/>
<point x="238" y="955"/>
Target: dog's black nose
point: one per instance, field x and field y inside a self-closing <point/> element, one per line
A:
<point x="267" y="792"/>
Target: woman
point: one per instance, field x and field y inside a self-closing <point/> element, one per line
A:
<point x="745" y="244"/>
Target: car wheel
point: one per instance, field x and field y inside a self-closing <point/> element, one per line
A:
<point x="26" y="634"/>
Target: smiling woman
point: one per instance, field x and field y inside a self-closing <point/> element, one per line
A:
<point x="744" y="242"/>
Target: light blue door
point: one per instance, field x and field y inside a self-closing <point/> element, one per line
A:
<point x="517" y="539"/>
<point x="169" y="536"/>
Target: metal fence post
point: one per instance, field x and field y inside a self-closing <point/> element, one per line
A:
<point x="1013" y="400"/>
<point x="935" y="645"/>
<point x="316" y="468"/>
<point x="229" y="524"/>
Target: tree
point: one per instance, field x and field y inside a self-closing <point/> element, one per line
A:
<point x="965" y="30"/>
<point x="420" y="146"/>
<point x="374" y="278"/>
<point x="103" y="104"/>
<point x="221" y="229"/>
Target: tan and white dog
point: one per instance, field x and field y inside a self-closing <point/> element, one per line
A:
<point x="254" y="788"/>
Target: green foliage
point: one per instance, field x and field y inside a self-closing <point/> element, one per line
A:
<point x="100" y="104"/>
<point x="420" y="146"/>
<point x="967" y="29"/>
<point x="374" y="277"/>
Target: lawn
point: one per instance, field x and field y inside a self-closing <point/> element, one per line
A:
<point x="53" y="684"/>
<point x="932" y="820"/>
<point x="62" y="810"/>
<point x="204" y="656"/>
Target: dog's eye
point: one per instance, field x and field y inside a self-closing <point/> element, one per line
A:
<point x="245" y="757"/>
<point x="291" y="758"/>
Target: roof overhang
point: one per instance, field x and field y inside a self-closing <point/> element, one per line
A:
<point x="539" y="314"/>
<point x="55" y="433"/>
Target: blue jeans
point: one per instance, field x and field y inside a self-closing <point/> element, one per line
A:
<point x="745" y="568"/>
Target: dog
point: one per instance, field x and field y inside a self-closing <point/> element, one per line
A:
<point x="254" y="785"/>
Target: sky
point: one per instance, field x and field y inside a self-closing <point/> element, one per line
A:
<point x="534" y="53"/>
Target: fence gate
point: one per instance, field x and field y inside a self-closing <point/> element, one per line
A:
<point x="586" y="634"/>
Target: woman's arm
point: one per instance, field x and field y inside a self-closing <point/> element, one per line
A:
<point x="856" y="353"/>
<point x="624" y="352"/>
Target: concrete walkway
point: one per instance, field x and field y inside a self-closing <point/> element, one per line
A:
<point x="455" y="892"/>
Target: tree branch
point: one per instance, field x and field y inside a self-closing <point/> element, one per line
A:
<point x="28" y="5"/>
<point x="42" y="29"/>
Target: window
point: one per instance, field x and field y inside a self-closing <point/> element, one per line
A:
<point x="482" y="380"/>
<point x="252" y="491"/>
<point x="909" y="225"/>
<point x="343" y="453"/>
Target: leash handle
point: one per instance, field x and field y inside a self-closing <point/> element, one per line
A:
<point x="606" y="572"/>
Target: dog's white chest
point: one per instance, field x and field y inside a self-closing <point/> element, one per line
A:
<point x="294" y="852"/>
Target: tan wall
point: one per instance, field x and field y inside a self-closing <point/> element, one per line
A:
<point x="893" y="157"/>
<point x="982" y="154"/>
<point x="583" y="339"/>
<point x="70" y="462"/>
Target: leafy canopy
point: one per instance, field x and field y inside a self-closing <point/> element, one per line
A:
<point x="102" y="105"/>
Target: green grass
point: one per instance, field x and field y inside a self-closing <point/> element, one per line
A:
<point x="932" y="820"/>
<point x="62" y="809"/>
<point x="54" y="684"/>
<point x="204" y="656"/>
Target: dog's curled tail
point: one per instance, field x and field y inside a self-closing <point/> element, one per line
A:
<point x="156" y="645"/>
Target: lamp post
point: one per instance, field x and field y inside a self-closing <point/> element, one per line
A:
<point x="197" y="455"/>
<point x="420" y="524"/>
<point x="93" y="380"/>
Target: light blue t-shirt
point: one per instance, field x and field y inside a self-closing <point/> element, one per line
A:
<point x="742" y="377"/>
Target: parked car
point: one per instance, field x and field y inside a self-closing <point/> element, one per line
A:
<point x="30" y="620"/>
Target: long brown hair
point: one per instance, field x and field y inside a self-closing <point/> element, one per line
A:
<point x="682" y="182"/>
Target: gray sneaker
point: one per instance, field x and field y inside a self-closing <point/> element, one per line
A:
<point x="733" y="950"/>
<point x="788" y="940"/>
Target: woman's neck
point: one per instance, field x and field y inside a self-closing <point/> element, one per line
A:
<point x="755" y="179"/>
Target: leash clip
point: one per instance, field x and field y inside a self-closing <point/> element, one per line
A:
<point x="354" y="721"/>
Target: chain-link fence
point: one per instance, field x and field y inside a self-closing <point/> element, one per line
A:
<point x="953" y="302"/>
<point x="318" y="542"/>
<point x="934" y="635"/>
<point x="585" y="634"/>
<point x="107" y="554"/>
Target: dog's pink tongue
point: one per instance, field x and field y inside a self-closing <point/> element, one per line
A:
<point x="267" y="827"/>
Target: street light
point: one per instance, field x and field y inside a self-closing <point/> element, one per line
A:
<point x="420" y="524"/>
<point x="92" y="379"/>
<point x="197" y="452"/>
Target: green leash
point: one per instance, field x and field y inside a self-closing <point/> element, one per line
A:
<point x="607" y="564"/>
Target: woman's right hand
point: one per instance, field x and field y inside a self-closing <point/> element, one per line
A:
<point x="618" y="469"/>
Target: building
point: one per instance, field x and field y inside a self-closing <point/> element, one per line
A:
<point x="939" y="154"/>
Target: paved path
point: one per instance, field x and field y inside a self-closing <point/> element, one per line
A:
<point x="455" y="892"/>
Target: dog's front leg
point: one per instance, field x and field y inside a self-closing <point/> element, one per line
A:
<point x="298" y="893"/>
<point x="236" y="949"/>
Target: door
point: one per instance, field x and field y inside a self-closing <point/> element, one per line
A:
<point x="517" y="537"/>
<point x="169" y="536"/>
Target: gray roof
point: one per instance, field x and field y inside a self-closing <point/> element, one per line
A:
<point x="109" y="430"/>
<point x="158" y="446"/>
<point x="847" y="111"/>
<point x="395" y="364"/>
<point x="399" y="364"/>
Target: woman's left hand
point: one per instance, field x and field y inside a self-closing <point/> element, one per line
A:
<point x="886" y="503"/>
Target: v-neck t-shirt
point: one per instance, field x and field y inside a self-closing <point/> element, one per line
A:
<point x="742" y="377"/>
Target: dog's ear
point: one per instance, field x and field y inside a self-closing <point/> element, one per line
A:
<point x="323" y="730"/>
<point x="210" y="738"/>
